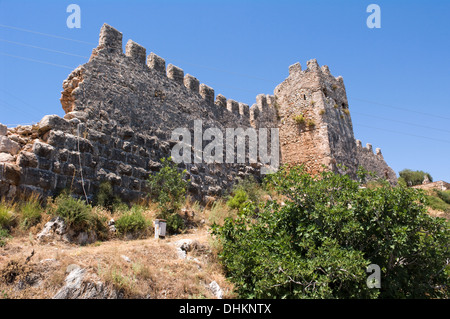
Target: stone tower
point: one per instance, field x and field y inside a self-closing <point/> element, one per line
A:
<point x="314" y="120"/>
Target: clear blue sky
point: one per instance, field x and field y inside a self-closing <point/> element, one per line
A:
<point x="397" y="77"/>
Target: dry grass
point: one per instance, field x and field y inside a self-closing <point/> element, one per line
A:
<point x="154" y="269"/>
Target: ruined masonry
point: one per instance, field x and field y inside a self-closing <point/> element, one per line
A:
<point x="122" y="108"/>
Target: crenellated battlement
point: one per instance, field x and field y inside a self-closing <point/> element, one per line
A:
<point x="175" y="73"/>
<point x="191" y="83"/>
<point x="368" y="148"/>
<point x="122" y="109"/>
<point x="156" y="63"/>
<point x="135" y="51"/>
<point x="111" y="41"/>
<point x="110" y="38"/>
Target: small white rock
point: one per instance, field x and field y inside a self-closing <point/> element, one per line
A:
<point x="128" y="260"/>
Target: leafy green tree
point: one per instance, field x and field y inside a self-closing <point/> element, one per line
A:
<point x="319" y="242"/>
<point x="412" y="178"/>
<point x="169" y="188"/>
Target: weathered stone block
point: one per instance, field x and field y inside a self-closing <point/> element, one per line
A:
<point x="135" y="51"/>
<point x="44" y="163"/>
<point x="261" y="101"/>
<point x="233" y="106"/>
<point x="10" y="173"/>
<point x="135" y="184"/>
<point x="140" y="173"/>
<point x="295" y="68"/>
<point x="6" y="157"/>
<point x="221" y="101"/>
<point x="56" y="167"/>
<point x="207" y="93"/>
<point x="124" y="169"/>
<point x="110" y="38"/>
<point x="312" y="65"/>
<point x="191" y="83"/>
<point x="87" y="160"/>
<point x="118" y="155"/>
<point x="156" y="63"/>
<point x="82" y="116"/>
<point x="3" y="130"/>
<point x="56" y="138"/>
<point x="53" y="122"/>
<point x="136" y="160"/>
<point x="43" y="150"/>
<point x="68" y="169"/>
<point x="113" y="178"/>
<point x="244" y="110"/>
<point x="175" y="73"/>
<point x="9" y="146"/>
<point x="63" y="155"/>
<point x="154" y="166"/>
<point x="37" y="177"/>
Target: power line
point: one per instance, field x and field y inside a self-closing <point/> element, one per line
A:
<point x="224" y="71"/>
<point x="192" y="64"/>
<point x="28" y="106"/>
<point x="45" y="34"/>
<point x="12" y="108"/>
<point x="402" y="122"/>
<point x="403" y="109"/>
<point x="45" y="49"/>
<point x="38" y="61"/>
<point x="403" y="133"/>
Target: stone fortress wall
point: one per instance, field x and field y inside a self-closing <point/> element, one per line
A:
<point x="122" y="108"/>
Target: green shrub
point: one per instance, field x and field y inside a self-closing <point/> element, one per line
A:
<point x="4" y="235"/>
<point x="245" y="190"/>
<point x="106" y="198"/>
<point x="132" y="221"/>
<point x="311" y="123"/>
<point x="435" y="202"/>
<point x="30" y="213"/>
<point x="299" y="119"/>
<point x="75" y="212"/>
<point x="319" y="243"/>
<point x="174" y="223"/>
<point x="413" y="178"/>
<point x="168" y="187"/>
<point x="6" y="215"/>
<point x="444" y="195"/>
<point x="237" y="201"/>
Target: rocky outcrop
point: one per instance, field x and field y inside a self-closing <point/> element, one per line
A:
<point x="79" y="284"/>
<point x="56" y="229"/>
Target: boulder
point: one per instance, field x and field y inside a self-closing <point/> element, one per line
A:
<point x="78" y="285"/>
<point x="49" y="122"/>
<point x="216" y="290"/>
<point x="184" y="246"/>
<point x="57" y="229"/>
<point x="3" y="130"/>
<point x="27" y="159"/>
<point x="6" y="157"/>
<point x="9" y="146"/>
